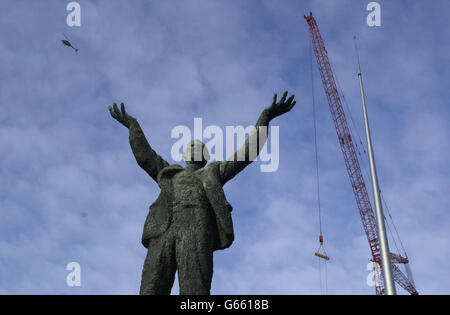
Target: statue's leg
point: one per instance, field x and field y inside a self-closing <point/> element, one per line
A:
<point x="159" y="269"/>
<point x="194" y="255"/>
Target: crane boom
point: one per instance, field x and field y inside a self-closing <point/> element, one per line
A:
<point x="351" y="160"/>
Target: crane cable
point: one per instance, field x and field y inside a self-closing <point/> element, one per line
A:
<point x="320" y="253"/>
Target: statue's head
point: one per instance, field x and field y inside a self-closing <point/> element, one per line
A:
<point x="196" y="153"/>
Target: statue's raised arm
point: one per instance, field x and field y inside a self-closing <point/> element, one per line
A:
<point x="145" y="156"/>
<point x="256" y="140"/>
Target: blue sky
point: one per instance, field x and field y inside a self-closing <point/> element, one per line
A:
<point x="72" y="191"/>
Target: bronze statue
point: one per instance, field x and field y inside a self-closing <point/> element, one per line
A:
<point x="191" y="217"/>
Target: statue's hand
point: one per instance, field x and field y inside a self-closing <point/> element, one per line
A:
<point x="121" y="115"/>
<point x="283" y="106"/>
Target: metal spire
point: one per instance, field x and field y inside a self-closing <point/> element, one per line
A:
<point x="386" y="264"/>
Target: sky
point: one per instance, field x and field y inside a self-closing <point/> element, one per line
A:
<point x="71" y="188"/>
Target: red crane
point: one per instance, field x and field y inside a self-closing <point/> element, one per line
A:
<point x="352" y="163"/>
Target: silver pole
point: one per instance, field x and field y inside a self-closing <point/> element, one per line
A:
<point x="386" y="264"/>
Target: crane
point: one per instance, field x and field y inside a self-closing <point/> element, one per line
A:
<point x="352" y="164"/>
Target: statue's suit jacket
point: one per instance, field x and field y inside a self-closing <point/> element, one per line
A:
<point x="160" y="214"/>
<point x="212" y="177"/>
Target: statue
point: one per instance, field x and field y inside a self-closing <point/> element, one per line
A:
<point x="191" y="217"/>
